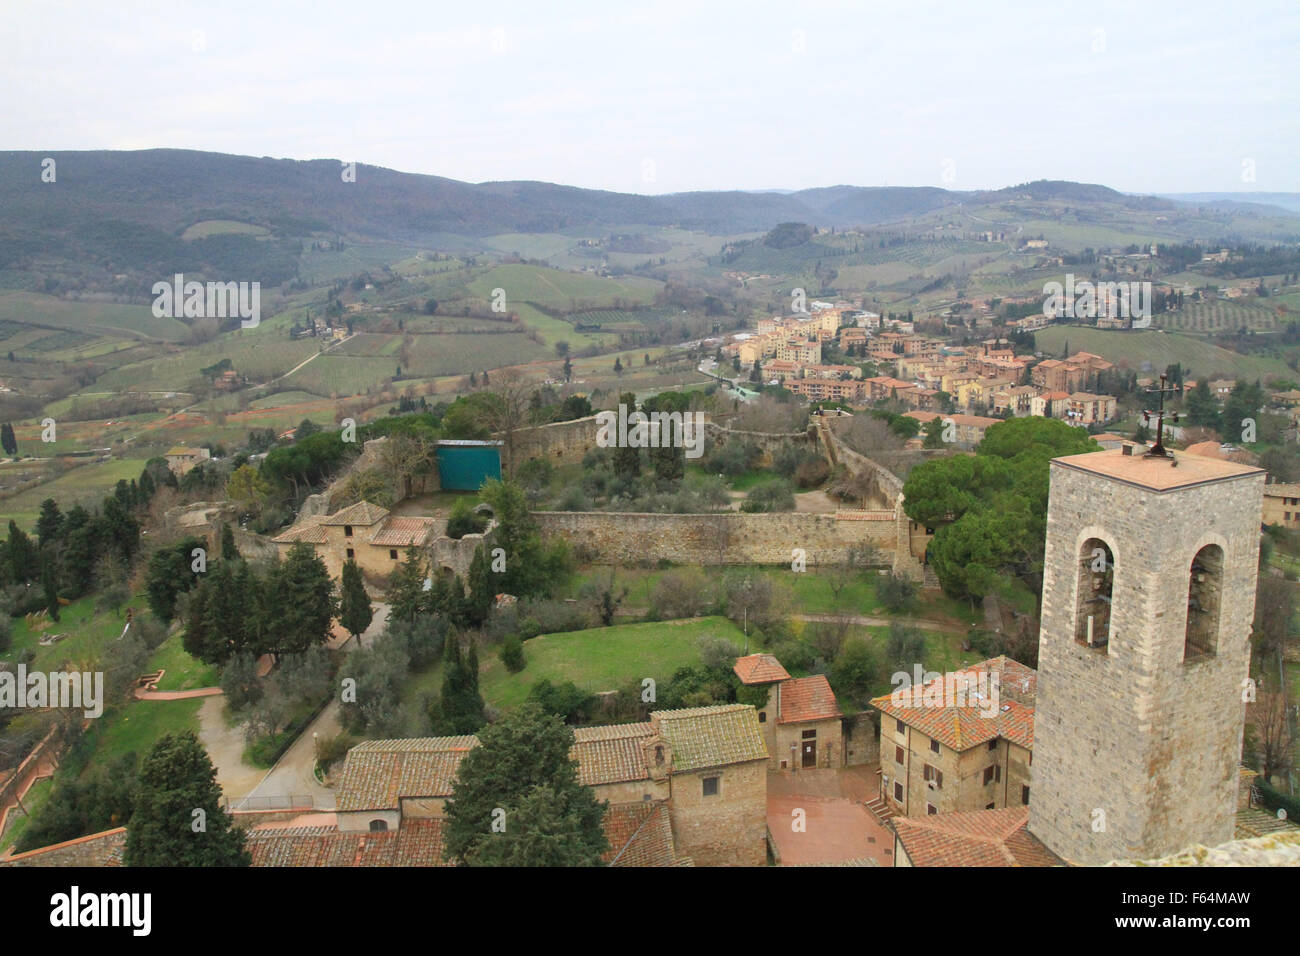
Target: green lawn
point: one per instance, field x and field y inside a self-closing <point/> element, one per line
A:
<point x="602" y="658"/>
<point x="136" y="727"/>
<point x="182" y="672"/>
<point x="34" y="801"/>
<point x="85" y="632"/>
<point x="87" y="485"/>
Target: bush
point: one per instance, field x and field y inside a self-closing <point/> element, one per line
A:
<point x="564" y="700"/>
<point x="895" y="591"/>
<point x="794" y="655"/>
<point x="717" y="652"/>
<point x="330" y="750"/>
<point x="772" y="496"/>
<point x="463" y="520"/>
<point x="812" y="473"/>
<point x="512" y="654"/>
<point x="239" y="682"/>
<point x="680" y="594"/>
<point x="1275" y="799"/>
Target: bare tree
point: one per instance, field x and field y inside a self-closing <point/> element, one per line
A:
<point x="509" y="410"/>
<point x="1276" y="745"/>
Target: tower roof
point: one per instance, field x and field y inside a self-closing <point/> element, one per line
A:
<point x="1157" y="474"/>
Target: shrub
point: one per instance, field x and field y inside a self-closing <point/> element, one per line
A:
<point x="812" y="473"/>
<point x="895" y="591"/>
<point x="772" y="496"/>
<point x="717" y="652"/>
<point x="512" y="654"/>
<point x="463" y="520"/>
<point x="330" y="750"/>
<point x="563" y="700"/>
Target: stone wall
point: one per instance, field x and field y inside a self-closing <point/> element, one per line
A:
<point x="729" y="828"/>
<point x="725" y="538"/>
<point x="861" y="739"/>
<point x="1135" y="750"/>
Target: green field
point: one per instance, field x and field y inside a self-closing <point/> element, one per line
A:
<point x="1217" y="316"/>
<point x="98" y="318"/>
<point x="181" y="671"/>
<point x="85" y="485"/>
<point x="1161" y="349"/>
<point x="556" y="289"/>
<point x="84" y="631"/>
<point x="223" y="227"/>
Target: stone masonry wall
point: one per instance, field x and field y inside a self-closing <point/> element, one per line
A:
<point x="728" y="829"/>
<point x="725" y="538"/>
<point x="1135" y="751"/>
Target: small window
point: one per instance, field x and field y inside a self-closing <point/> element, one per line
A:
<point x="991" y="806"/>
<point x="347" y="530"/>
<point x="392" y="553"/>
<point x="993" y="744"/>
<point x="711" y="786"/>
<point x="351" y="553"/>
<point x="898" y="792"/>
<point x="810" y="735"/>
<point x="378" y="826"/>
<point x="898" y="755"/>
<point x="762" y="717"/>
<point x="988" y="775"/>
<point x="900" y="726"/>
<point x="1024" y="795"/>
<point x="934" y="746"/>
<point x="659" y="755"/>
<point x="930" y="810"/>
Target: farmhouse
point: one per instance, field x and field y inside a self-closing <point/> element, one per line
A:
<point x="365" y="533"/>
<point x="181" y="459"/>
<point x="801" y="720"/>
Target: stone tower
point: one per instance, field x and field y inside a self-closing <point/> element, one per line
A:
<point x="1148" y="598"/>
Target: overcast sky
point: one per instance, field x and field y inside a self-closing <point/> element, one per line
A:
<point x="657" y="97"/>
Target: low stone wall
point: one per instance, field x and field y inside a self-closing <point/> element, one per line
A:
<point x="861" y="739"/>
<point x="726" y="538"/>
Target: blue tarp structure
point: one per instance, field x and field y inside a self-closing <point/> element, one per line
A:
<point x="465" y="465"/>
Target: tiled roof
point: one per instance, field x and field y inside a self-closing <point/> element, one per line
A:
<point x="97" y="849"/>
<point x="711" y="736"/>
<point x="377" y="774"/>
<point x="961" y="728"/>
<point x="414" y="843"/>
<point x="641" y="834"/>
<point x="973" y="838"/>
<point x="309" y="529"/>
<point x="403" y="532"/>
<point x="759" y="669"/>
<point x="181" y="451"/>
<point x="807" y="698"/>
<point x="363" y="514"/>
<point x="611" y="754"/>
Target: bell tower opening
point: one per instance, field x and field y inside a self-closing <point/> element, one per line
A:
<point x="1096" y="584"/>
<point x="1204" y="599"/>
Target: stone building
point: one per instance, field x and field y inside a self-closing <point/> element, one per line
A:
<point x="962" y="741"/>
<point x="364" y="532"/>
<point x="802" y="721"/>
<point x="181" y="459"/>
<point x="1148" y="599"/>
<point x="703" y="768"/>
<point x="1282" y="504"/>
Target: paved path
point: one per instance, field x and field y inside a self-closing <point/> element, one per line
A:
<point x="836" y="825"/>
<point x="142" y="694"/>
<point x="294" y="774"/>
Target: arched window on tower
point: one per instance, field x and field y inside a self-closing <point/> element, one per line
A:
<point x="1204" y="598"/>
<point x="1096" y="582"/>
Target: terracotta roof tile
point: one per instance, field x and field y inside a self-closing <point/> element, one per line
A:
<point x="759" y="669"/>
<point x="403" y="532"/>
<point x="611" y="754"/>
<point x="363" y="514"/>
<point x="807" y="698"/>
<point x="377" y="774"/>
<point x="973" y="838"/>
<point x="961" y="728"/>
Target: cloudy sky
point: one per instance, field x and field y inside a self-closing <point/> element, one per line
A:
<point x="656" y="97"/>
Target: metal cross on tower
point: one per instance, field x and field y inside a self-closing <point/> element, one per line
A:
<point x="1158" y="449"/>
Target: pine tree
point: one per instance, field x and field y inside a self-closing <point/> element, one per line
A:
<point x="406" y="594"/>
<point x="299" y="603"/>
<point x="522" y="766"/>
<point x="618" y="365"/>
<point x="20" y="554"/>
<point x="7" y="439"/>
<point x="568" y="369"/>
<point x="355" y="612"/>
<point x="482" y="588"/>
<point x="627" y="460"/>
<point x="178" y="818"/>
<point x="229" y="550"/>
<point x="50" y="587"/>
